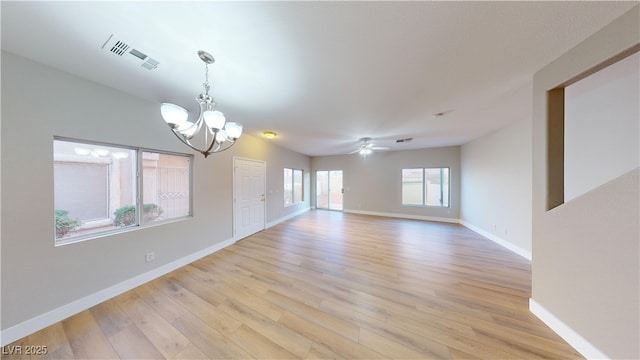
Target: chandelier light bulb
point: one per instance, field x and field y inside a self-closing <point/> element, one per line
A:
<point x="214" y="119"/>
<point x="234" y="130"/>
<point x="222" y="136"/>
<point x="187" y="129"/>
<point x="173" y="114"/>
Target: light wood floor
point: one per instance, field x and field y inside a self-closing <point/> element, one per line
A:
<point x="324" y="285"/>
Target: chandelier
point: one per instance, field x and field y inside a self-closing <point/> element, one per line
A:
<point x="210" y="133"/>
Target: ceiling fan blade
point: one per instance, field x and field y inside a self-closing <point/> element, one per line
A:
<point x="367" y="147"/>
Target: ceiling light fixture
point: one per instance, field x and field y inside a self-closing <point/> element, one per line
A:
<point x="211" y="132"/>
<point x="269" y="134"/>
<point x="367" y="147"/>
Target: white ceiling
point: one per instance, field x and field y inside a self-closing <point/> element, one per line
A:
<point x="320" y="74"/>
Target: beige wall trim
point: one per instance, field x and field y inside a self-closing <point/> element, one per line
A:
<point x="574" y="339"/>
<point x="40" y="322"/>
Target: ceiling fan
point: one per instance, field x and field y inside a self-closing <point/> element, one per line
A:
<point x="367" y="147"/>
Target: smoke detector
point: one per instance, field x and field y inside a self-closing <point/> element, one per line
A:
<point x="122" y="49"/>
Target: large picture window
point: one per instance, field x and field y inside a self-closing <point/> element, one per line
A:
<point x="425" y="187"/>
<point x="97" y="187"/>
<point x="293" y="189"/>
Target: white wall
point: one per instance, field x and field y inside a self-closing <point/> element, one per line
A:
<point x="496" y="184"/>
<point x="373" y="184"/>
<point x="586" y="252"/>
<point x="39" y="279"/>
<point x="602" y="123"/>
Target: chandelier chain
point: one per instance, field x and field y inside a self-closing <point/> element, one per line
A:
<point x="206" y="79"/>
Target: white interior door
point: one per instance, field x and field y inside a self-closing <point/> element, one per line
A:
<point x="249" y="199"/>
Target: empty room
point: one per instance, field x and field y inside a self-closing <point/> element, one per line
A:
<point x="305" y="180"/>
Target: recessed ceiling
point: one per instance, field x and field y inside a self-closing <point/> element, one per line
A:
<point x="320" y="74"/>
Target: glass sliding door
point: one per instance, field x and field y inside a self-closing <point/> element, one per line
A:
<point x="329" y="189"/>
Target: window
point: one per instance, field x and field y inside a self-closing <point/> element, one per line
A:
<point x="297" y="186"/>
<point x="165" y="184"/>
<point x="96" y="188"/>
<point x="293" y="192"/>
<point x="425" y="187"/>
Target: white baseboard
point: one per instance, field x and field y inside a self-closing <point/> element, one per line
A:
<point x="285" y="218"/>
<point x="402" y="216"/>
<point x="516" y="249"/>
<point x="40" y="322"/>
<point x="569" y="335"/>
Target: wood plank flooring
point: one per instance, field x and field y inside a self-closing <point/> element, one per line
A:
<point x="323" y="285"/>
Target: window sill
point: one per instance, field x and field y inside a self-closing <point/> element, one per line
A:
<point x="107" y="233"/>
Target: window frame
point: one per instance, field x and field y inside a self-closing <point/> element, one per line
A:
<point x="292" y="184"/>
<point x="138" y="189"/>
<point x="424" y="200"/>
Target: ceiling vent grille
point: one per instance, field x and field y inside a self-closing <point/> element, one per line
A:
<point x="121" y="48"/>
<point x="150" y="64"/>
<point x="404" y="140"/>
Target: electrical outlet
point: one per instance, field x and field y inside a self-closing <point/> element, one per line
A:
<point x="150" y="256"/>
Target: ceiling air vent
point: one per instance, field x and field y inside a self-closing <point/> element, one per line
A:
<point x="150" y="64"/>
<point x="404" y="140"/>
<point x="121" y="48"/>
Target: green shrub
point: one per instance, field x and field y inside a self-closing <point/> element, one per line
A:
<point x="126" y="215"/>
<point x="64" y="223"/>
